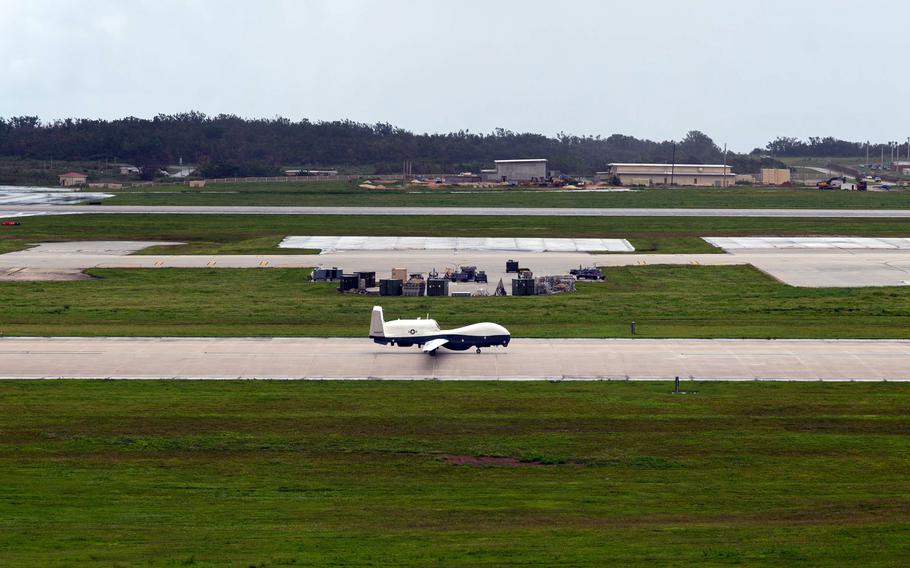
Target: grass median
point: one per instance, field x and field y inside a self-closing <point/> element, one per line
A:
<point x="453" y="474"/>
<point x="664" y="301"/>
<point x="334" y="193"/>
<point x="260" y="234"/>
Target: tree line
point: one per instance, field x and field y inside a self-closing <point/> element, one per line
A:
<point x="228" y="145"/>
<point x="825" y="147"/>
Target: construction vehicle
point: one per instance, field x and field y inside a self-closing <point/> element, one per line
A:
<point x="832" y="183"/>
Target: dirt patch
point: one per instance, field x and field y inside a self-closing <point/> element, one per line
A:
<point x="457" y="459"/>
<point x="42" y="275"/>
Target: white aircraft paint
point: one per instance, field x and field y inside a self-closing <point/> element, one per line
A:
<point x="16" y="196"/>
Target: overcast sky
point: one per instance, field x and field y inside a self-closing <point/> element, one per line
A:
<point x="742" y="72"/>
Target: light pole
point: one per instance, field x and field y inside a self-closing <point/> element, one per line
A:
<point x="724" y="178"/>
<point x="673" y="166"/>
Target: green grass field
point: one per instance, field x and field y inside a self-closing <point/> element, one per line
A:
<point x="335" y="193"/>
<point x="259" y="234"/>
<point x="12" y="245"/>
<point x="158" y="473"/>
<point x="664" y="301"/>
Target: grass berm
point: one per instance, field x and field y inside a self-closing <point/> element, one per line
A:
<point x="664" y="301"/>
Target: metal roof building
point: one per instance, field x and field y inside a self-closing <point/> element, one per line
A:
<point x="525" y="170"/>
<point x="702" y="175"/>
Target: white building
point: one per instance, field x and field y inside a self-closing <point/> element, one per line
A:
<point x="519" y="170"/>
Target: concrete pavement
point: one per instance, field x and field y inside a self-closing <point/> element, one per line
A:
<point x="524" y="359"/>
<point x="484" y="211"/>
<point x="826" y="268"/>
<point x="830" y="268"/>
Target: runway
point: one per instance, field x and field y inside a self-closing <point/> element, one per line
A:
<point x="524" y="359"/>
<point x="483" y="211"/>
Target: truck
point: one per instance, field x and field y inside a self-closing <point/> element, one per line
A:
<point x="832" y="183"/>
<point x="587" y="273"/>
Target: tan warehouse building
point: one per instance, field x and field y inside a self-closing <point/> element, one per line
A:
<point x="775" y="176"/>
<point x="701" y="175"/>
<point x="71" y="179"/>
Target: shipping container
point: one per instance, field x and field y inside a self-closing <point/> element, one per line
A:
<point x="326" y="274"/>
<point x="390" y="287"/>
<point x="369" y="278"/>
<point x="349" y="282"/>
<point x="524" y="287"/>
<point x="437" y="287"/>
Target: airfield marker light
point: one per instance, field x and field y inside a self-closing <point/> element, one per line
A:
<point x="676" y="385"/>
<point x="632" y="326"/>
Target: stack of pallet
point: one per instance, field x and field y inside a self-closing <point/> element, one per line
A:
<point x="555" y="284"/>
<point x="415" y="286"/>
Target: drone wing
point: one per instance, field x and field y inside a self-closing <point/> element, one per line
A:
<point x="433" y="345"/>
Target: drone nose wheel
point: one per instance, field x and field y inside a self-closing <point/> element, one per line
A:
<point x="477" y="350"/>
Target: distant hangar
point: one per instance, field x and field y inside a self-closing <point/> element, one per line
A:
<point x="699" y="175"/>
<point x="518" y="171"/>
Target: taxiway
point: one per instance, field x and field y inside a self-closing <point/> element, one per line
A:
<point x="825" y="268"/>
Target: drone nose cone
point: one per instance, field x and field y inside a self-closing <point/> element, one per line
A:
<point x="501" y="330"/>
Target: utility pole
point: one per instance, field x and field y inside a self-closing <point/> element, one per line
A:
<point x="724" y="182"/>
<point x="673" y="166"/>
<point x="867" y="153"/>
